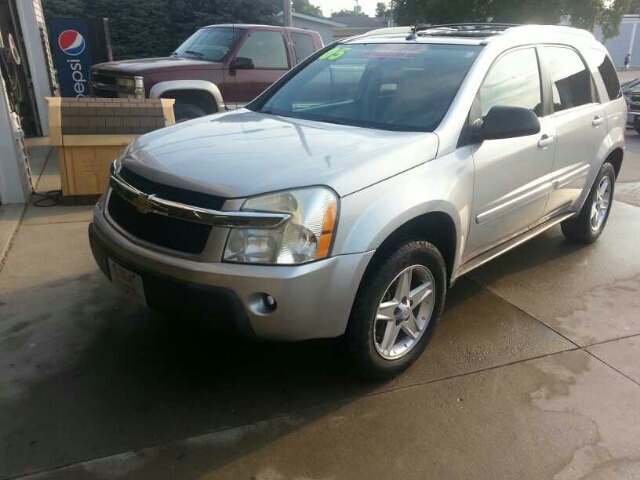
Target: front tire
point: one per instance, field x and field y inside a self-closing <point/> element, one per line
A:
<point x="590" y="222"/>
<point x="185" y="111"/>
<point x="396" y="310"/>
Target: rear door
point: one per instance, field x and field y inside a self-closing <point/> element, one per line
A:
<point x="512" y="175"/>
<point x="269" y="54"/>
<point x="580" y="122"/>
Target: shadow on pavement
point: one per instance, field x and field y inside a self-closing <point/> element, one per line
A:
<point x="94" y="375"/>
<point x="85" y="373"/>
<point x="546" y="248"/>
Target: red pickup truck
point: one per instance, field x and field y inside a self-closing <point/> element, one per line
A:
<point x="219" y="67"/>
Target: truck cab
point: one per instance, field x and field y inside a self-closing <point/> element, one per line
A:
<point x="218" y="68"/>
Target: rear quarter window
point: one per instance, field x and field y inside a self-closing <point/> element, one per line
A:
<point x="600" y="60"/>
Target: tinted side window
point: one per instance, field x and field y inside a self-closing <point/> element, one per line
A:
<point x="513" y="81"/>
<point x="266" y="49"/>
<point x="607" y="72"/>
<point x="303" y="45"/>
<point x="570" y="79"/>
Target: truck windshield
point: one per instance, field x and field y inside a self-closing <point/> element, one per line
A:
<point x="212" y="44"/>
<point x="405" y="87"/>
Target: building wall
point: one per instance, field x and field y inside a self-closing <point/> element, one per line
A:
<point x="627" y="42"/>
<point x="15" y="178"/>
<point x="325" y="31"/>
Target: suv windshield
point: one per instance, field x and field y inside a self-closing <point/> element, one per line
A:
<point x="387" y="86"/>
<point x="212" y="44"/>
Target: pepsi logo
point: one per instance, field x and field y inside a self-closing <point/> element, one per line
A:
<point x="71" y="42"/>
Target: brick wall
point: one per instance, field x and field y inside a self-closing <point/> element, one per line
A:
<point x="108" y="116"/>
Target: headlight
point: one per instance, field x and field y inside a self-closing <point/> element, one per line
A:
<point x="126" y="82"/>
<point x="307" y="236"/>
<point x="134" y="85"/>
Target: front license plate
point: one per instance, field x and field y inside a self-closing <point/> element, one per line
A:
<point x="130" y="283"/>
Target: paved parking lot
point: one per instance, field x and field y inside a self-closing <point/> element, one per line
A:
<point x="533" y="373"/>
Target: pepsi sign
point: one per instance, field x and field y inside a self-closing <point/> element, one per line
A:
<point x="70" y="38"/>
<point x="71" y="42"/>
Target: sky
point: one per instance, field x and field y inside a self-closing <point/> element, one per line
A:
<point x="327" y="6"/>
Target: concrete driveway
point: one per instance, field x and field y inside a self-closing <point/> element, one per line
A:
<point x="534" y="373"/>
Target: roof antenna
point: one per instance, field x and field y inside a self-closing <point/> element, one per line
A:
<point x="412" y="35"/>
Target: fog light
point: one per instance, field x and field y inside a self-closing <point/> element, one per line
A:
<point x="270" y="301"/>
<point x="263" y="303"/>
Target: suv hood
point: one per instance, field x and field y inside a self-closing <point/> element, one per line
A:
<point x="148" y="65"/>
<point x="244" y="153"/>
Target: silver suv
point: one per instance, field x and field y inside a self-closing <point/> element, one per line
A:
<point x="349" y="196"/>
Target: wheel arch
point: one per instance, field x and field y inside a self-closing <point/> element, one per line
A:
<point x="615" y="158"/>
<point x="436" y="227"/>
<point x="197" y="92"/>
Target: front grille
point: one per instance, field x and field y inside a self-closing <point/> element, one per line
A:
<point x="180" y="235"/>
<point x="103" y="84"/>
<point x="168" y="192"/>
<point x="106" y="78"/>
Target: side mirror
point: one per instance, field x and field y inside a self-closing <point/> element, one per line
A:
<point x="509" y="122"/>
<point x="241" y="63"/>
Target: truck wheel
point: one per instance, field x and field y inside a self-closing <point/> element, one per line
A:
<point x="396" y="310"/>
<point x="590" y="222"/>
<point x="186" y="111"/>
<point x="637" y="127"/>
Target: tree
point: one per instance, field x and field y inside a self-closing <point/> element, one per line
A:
<point x="382" y="10"/>
<point x="583" y="13"/>
<point x="357" y="11"/>
<point x="144" y="28"/>
<point x="306" y="8"/>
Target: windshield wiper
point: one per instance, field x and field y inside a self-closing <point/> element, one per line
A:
<point x="193" y="52"/>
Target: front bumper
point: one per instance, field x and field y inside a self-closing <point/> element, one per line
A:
<point x="312" y="300"/>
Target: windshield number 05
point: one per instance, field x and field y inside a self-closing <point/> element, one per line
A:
<point x="334" y="53"/>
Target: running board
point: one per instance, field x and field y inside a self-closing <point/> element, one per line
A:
<point x="489" y="255"/>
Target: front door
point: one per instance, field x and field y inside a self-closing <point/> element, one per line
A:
<point x="580" y="123"/>
<point x="270" y="59"/>
<point x="512" y="175"/>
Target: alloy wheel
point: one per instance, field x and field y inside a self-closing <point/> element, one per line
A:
<point x="404" y="312"/>
<point x="600" y="205"/>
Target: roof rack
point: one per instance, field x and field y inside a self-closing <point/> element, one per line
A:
<point x="464" y="29"/>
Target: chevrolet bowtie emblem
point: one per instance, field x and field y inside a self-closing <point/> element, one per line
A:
<point x="143" y="204"/>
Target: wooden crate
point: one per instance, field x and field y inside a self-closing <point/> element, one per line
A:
<point x="91" y="132"/>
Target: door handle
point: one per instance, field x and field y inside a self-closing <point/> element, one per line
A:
<point x="545" y="141"/>
<point x="597" y="120"/>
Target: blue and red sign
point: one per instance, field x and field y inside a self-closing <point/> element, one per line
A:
<point x="73" y="53"/>
<point x="71" y="42"/>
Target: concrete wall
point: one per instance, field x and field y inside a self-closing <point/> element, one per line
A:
<point x="325" y="31"/>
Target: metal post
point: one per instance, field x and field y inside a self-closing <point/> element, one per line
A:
<point x="633" y="40"/>
<point x="391" y="13"/>
<point x="286" y="13"/>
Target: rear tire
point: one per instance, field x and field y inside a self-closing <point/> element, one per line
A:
<point x="590" y="222"/>
<point x="412" y="317"/>
<point x="186" y="111"/>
